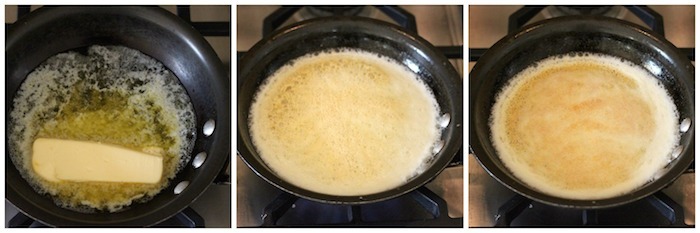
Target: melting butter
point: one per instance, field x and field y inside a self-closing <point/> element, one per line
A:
<point x="58" y="160"/>
<point x="111" y="95"/>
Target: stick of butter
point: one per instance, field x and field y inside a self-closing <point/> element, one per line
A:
<point x="80" y="161"/>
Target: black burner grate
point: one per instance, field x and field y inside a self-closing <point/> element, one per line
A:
<point x="397" y="14"/>
<point x="520" y="18"/>
<point x="277" y="18"/>
<point x="655" y="210"/>
<point x="646" y="14"/>
<point x="420" y="208"/>
<point x="188" y="218"/>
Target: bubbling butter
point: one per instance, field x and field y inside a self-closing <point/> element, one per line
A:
<point x="344" y="123"/>
<point x="113" y="95"/>
<point x="585" y="126"/>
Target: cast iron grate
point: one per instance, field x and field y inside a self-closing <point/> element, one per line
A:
<point x="188" y="218"/>
<point x="402" y="17"/>
<point x="520" y="18"/>
<point x="656" y="210"/>
<point x="419" y="208"/>
<point x="204" y="28"/>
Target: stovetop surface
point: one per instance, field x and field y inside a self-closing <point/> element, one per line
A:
<point x="487" y="25"/>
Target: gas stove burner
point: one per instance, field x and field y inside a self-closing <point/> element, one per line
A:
<point x="334" y="10"/>
<point x="187" y="218"/>
<point x="655" y="210"/>
<point x="310" y="12"/>
<point x="583" y="10"/>
<point x="300" y="13"/>
<point x="609" y="11"/>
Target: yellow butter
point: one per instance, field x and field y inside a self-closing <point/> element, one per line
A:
<point x="81" y="161"/>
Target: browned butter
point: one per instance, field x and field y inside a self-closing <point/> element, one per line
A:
<point x="584" y="127"/>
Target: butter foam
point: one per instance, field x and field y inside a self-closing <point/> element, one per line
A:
<point x="584" y="127"/>
<point x="345" y="123"/>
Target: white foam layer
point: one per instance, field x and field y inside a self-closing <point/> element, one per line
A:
<point x="584" y="127"/>
<point x="344" y="123"/>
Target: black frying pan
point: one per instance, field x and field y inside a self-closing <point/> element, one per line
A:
<point x="564" y="35"/>
<point x="350" y="32"/>
<point x="155" y="32"/>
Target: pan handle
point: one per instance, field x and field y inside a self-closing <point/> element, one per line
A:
<point x="458" y="158"/>
<point x="224" y="176"/>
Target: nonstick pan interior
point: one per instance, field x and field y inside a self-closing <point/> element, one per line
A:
<point x="567" y="35"/>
